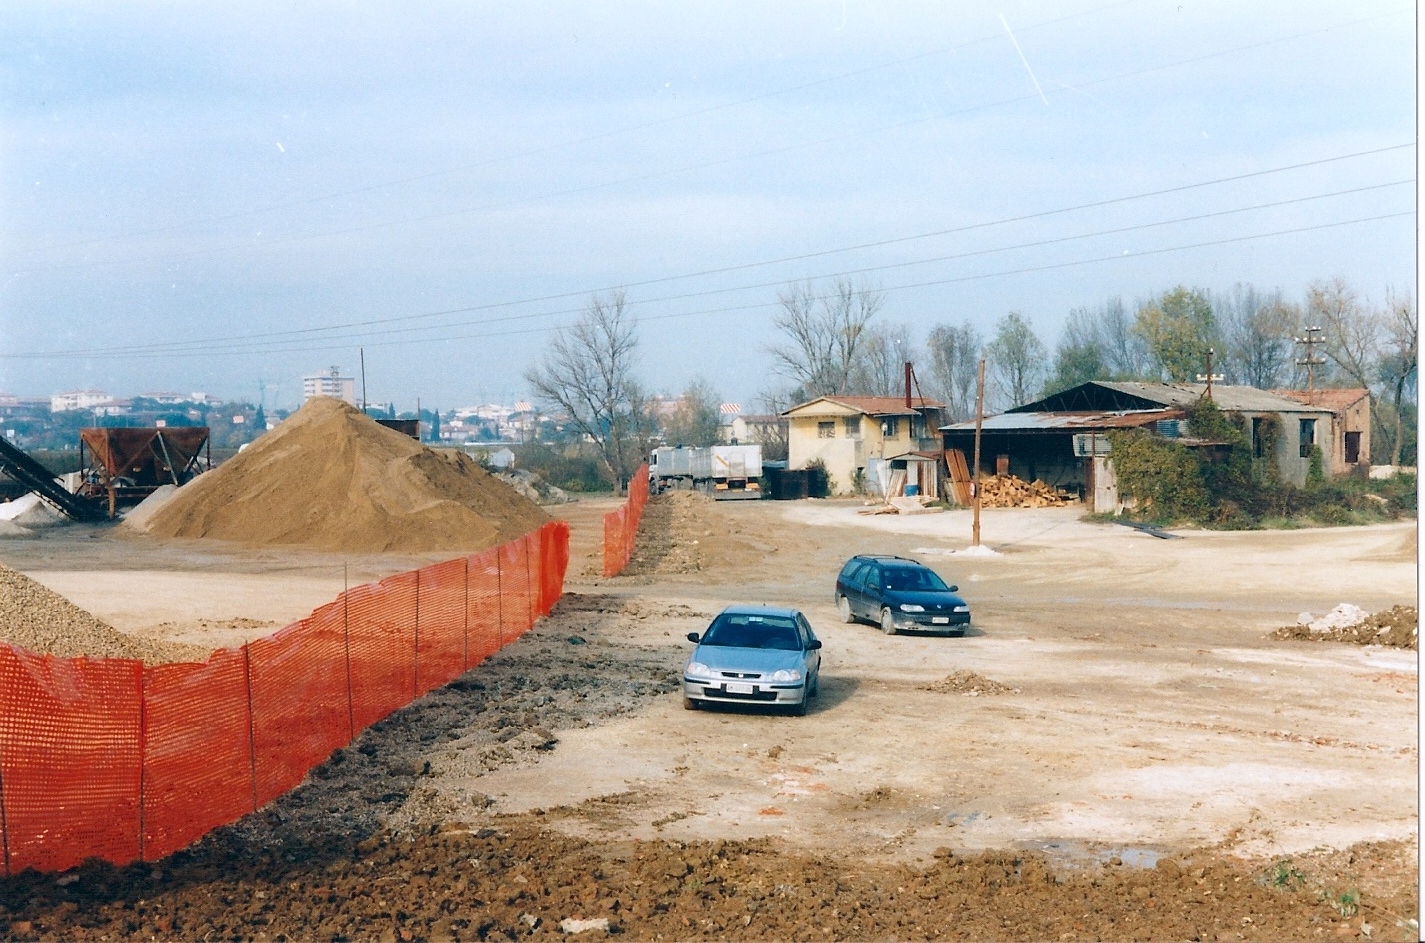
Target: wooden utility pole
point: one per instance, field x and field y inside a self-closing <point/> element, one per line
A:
<point x="363" y="381"/>
<point x="979" y="422"/>
<point x="1311" y="361"/>
<point x="1209" y="376"/>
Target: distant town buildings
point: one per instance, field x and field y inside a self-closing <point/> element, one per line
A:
<point x="329" y="383"/>
<point x="78" y="399"/>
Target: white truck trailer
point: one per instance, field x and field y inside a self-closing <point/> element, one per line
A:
<point x="727" y="472"/>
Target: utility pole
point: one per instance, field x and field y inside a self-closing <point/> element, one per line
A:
<point x="363" y="381"/>
<point x="1310" y="361"/>
<point x="1209" y="376"/>
<point x="979" y="422"/>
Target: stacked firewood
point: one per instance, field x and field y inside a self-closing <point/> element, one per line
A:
<point x="1007" y="491"/>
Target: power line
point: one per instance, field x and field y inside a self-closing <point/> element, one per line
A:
<point x="656" y="175"/>
<point x="401" y="319"/>
<point x="747" y="307"/>
<point x="574" y="142"/>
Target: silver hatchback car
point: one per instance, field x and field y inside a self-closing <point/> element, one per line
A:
<point x="754" y="655"/>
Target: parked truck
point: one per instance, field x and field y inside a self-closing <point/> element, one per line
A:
<point x="727" y="472"/>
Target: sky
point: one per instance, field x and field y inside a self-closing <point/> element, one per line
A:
<point x="226" y="197"/>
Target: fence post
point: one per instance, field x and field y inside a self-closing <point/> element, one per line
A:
<point x="465" y="649"/>
<point x="529" y="591"/>
<point x="416" y="662"/>
<point x="346" y="650"/>
<point x="500" y="596"/>
<point x="251" y="733"/>
<point x="4" y="825"/>
<point x="143" y="757"/>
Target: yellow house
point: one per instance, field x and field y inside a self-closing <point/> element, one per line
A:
<point x="848" y="432"/>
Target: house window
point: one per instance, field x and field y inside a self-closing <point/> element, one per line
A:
<point x="1259" y="445"/>
<point x="891" y="427"/>
<point x="1353" y="448"/>
<point x="1308" y="436"/>
<point x="826" y="430"/>
<point x="853" y="427"/>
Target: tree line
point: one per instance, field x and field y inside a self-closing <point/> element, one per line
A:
<point x="832" y="339"/>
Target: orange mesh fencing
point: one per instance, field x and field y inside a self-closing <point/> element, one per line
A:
<point x="105" y="758"/>
<point x="482" y="614"/>
<point x="297" y="688"/>
<point x="70" y="759"/>
<point x="381" y="619"/>
<point x="195" y="711"/>
<point x="440" y="625"/>
<point x="621" y="526"/>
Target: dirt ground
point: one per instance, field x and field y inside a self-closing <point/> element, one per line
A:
<point x="1117" y="750"/>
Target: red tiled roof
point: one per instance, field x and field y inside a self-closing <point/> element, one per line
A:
<point x="1334" y="400"/>
<point x="878" y="405"/>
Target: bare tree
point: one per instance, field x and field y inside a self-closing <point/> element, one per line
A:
<point x="1257" y="332"/>
<point x="1352" y="330"/>
<point x="695" y="419"/>
<point x="879" y="368"/>
<point x="824" y="333"/>
<point x="587" y="374"/>
<point x="1399" y="365"/>
<point x="1125" y="355"/>
<point x="1016" y="361"/>
<point x="774" y="438"/>
<point x="954" y="367"/>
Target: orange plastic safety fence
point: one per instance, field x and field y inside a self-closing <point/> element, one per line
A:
<point x="297" y="687"/>
<point x="197" y="766"/>
<point x="440" y="625"/>
<point x="515" y="611"/>
<point x="483" y="609"/>
<point x="381" y="628"/>
<point x="104" y="758"/>
<point x="70" y="759"/>
<point x="621" y="526"/>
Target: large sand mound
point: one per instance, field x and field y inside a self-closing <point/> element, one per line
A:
<point x="332" y="478"/>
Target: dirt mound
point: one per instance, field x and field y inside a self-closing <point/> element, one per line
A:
<point x="670" y="534"/>
<point x="331" y="478"/>
<point x="1396" y="627"/>
<point x="969" y="684"/>
<point x="40" y="620"/>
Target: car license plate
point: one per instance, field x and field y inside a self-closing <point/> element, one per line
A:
<point x="940" y="620"/>
<point x="737" y="687"/>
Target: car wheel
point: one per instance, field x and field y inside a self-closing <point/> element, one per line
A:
<point x="844" y="605"/>
<point x="815" y="688"/>
<point x="800" y="710"/>
<point x="689" y="704"/>
<point x="888" y="622"/>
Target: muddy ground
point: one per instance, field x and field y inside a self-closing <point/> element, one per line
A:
<point x="1119" y="750"/>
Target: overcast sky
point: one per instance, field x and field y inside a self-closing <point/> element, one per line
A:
<point x="223" y="197"/>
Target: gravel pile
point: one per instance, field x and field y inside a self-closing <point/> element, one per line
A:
<point x="969" y="684"/>
<point x="42" y="621"/>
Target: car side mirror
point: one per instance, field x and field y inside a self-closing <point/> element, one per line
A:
<point x="814" y="644"/>
<point x="954" y="588"/>
<point x="692" y="636"/>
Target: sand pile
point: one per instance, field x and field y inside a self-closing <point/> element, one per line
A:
<point x="969" y="684"/>
<point x="40" y="620"/>
<point x="331" y="478"/>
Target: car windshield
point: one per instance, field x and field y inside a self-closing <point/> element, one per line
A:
<point x="740" y="630"/>
<point x="902" y="579"/>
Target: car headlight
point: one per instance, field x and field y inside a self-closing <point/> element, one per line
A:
<point x="962" y="608"/>
<point x="698" y="670"/>
<point x="911" y="607"/>
<point x="787" y="674"/>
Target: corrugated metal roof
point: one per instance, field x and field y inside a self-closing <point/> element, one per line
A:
<point x="1230" y="398"/>
<point x="1067" y="422"/>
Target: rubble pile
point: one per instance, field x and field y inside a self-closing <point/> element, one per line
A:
<point x="1396" y="627"/>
